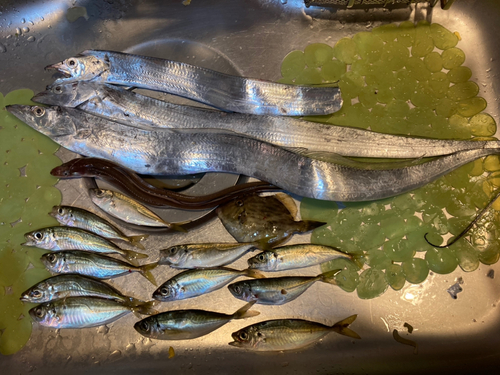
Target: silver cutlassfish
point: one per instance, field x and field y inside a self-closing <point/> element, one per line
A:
<point x="223" y="91"/>
<point x="129" y="108"/>
<point x="180" y="152"/>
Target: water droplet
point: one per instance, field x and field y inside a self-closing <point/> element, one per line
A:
<point x="8" y="37"/>
<point x="115" y="355"/>
<point x="43" y="19"/>
<point x="18" y="31"/>
<point x="284" y="1"/>
<point x="26" y="29"/>
<point x="23" y="20"/>
<point x="3" y="49"/>
<point x="31" y="39"/>
<point x="103" y="329"/>
<point x="130" y="346"/>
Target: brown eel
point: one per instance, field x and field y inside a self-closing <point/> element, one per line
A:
<point x="135" y="187"/>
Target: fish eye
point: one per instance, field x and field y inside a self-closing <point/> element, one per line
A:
<point x="39" y="312"/>
<point x="239" y="203"/>
<point x="99" y="193"/>
<point x="173" y="249"/>
<point x="165" y="291"/>
<point x="38" y="111"/>
<point x="65" y="173"/>
<point x="243" y="335"/>
<point x="51" y="258"/>
<point x="144" y="326"/>
<point x="237" y="289"/>
<point x="57" y="89"/>
<point x="36" y="293"/>
<point x="72" y="62"/>
<point x="38" y="235"/>
<point x="261" y="257"/>
<point x="60" y="211"/>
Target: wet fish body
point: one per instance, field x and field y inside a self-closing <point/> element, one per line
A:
<point x="127" y="209"/>
<point x="73" y="285"/>
<point x="203" y="255"/>
<point x="66" y="238"/>
<point x="263" y="219"/>
<point x="132" y="109"/>
<point x="277" y="290"/>
<point x="86" y="220"/>
<point x="79" y="312"/>
<point x="193" y="283"/>
<point x="288" y="334"/>
<point x="187" y="324"/>
<point x="187" y="152"/>
<point x="295" y="256"/>
<point x="93" y="265"/>
<point x="223" y="91"/>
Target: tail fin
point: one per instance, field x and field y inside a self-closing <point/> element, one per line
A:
<point x="145" y="308"/>
<point x="357" y="259"/>
<point x="342" y="327"/>
<point x="177" y="228"/>
<point x="244" y="313"/>
<point x="132" y="256"/>
<point x="254" y="273"/>
<point x="145" y="271"/>
<point x="329" y="277"/>
<point x="307" y="225"/>
<point x="136" y="241"/>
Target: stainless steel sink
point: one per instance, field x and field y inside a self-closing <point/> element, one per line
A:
<point x="251" y="37"/>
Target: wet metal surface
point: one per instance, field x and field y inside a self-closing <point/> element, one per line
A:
<point x="251" y="38"/>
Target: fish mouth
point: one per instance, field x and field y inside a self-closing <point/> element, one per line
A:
<point x="38" y="96"/>
<point x="61" y="68"/>
<point x="29" y="240"/>
<point x="17" y="110"/>
<point x="25" y="297"/>
<point x="235" y="343"/>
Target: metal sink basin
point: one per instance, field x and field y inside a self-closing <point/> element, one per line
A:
<point x="251" y="37"/>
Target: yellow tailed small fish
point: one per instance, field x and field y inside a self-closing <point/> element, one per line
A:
<point x="72" y="285"/>
<point x="83" y="219"/>
<point x="188" y="324"/>
<point x="277" y="290"/>
<point x="94" y="265"/>
<point x="203" y="255"/>
<point x="288" y="334"/>
<point x="193" y="283"/>
<point x="128" y="210"/>
<point x="83" y="312"/>
<point x="297" y="256"/>
<point x="67" y="238"/>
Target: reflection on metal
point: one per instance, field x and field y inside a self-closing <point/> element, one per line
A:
<point x="373" y="3"/>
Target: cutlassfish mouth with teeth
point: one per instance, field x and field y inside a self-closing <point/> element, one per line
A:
<point x="61" y="68"/>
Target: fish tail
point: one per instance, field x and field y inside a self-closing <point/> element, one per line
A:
<point x="307" y="225"/>
<point x="136" y="241"/>
<point x="357" y="259"/>
<point x="177" y="228"/>
<point x="329" y="277"/>
<point x="262" y="244"/>
<point x="132" y="256"/>
<point x="144" y="308"/>
<point x="253" y="273"/>
<point x="145" y="271"/>
<point x="342" y="327"/>
<point x="244" y="313"/>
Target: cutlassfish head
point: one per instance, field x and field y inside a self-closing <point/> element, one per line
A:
<point x="66" y="95"/>
<point x="51" y="121"/>
<point x="83" y="67"/>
